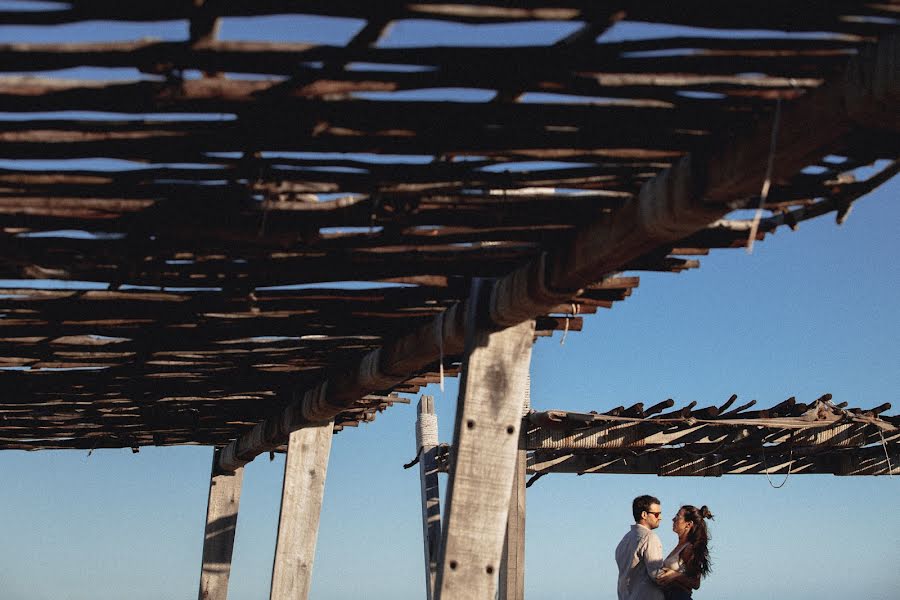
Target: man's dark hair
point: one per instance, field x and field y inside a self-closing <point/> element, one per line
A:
<point x="640" y="504"/>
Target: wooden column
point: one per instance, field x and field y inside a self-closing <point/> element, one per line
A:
<point x="426" y="445"/>
<point x="512" y="564"/>
<point x="301" y="503"/>
<point x="221" y="523"/>
<point x="483" y="458"/>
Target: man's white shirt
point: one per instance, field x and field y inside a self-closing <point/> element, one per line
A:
<point x="639" y="556"/>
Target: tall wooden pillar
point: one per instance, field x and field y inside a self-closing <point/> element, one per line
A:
<point x="301" y="503"/>
<point x="218" y="541"/>
<point x="512" y="565"/>
<point x="483" y="458"/>
<point x="426" y="445"/>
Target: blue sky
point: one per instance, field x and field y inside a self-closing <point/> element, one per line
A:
<point x="809" y="312"/>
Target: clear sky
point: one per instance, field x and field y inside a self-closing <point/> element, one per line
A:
<point x="809" y="312"/>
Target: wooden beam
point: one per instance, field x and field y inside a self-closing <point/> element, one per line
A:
<point x="512" y="563"/>
<point x="426" y="445"/>
<point x="789" y="15"/>
<point x="221" y="523"/>
<point x="872" y="460"/>
<point x="483" y="456"/>
<point x="540" y="63"/>
<point x="696" y="191"/>
<point x="301" y="502"/>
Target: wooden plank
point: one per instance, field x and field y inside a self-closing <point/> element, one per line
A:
<point x="512" y="564"/>
<point x="789" y="15"/>
<point x="305" y="468"/>
<point x="483" y="456"/>
<point x="221" y="523"/>
<point x="426" y="445"/>
<point x="280" y="58"/>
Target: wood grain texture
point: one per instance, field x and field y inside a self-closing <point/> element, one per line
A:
<point x="483" y="460"/>
<point x="512" y="565"/>
<point x="301" y="502"/>
<point x="218" y="541"/>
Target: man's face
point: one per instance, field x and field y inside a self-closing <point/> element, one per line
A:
<point x="653" y="516"/>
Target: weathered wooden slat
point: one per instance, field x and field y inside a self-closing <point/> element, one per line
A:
<point x="236" y="229"/>
<point x="305" y="468"/>
<point x="221" y="524"/>
<point x="279" y="58"/>
<point x="277" y="180"/>
<point x="511" y="584"/>
<point x="288" y="268"/>
<point x="793" y="15"/>
<point x="483" y="457"/>
<point x="351" y="126"/>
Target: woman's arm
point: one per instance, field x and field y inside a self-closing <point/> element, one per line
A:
<point x="668" y="578"/>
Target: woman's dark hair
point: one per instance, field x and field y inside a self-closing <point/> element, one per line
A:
<point x="698" y="562"/>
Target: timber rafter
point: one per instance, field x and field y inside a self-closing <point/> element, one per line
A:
<point x="258" y="164"/>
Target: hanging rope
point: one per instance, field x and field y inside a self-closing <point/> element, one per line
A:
<point x="574" y="312"/>
<point x="441" y="351"/>
<point x="887" y="456"/>
<point x="790" y="463"/>
<point x="708" y="452"/>
<point x="767" y="183"/>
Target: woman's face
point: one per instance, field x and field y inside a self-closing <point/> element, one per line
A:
<point x="679" y="525"/>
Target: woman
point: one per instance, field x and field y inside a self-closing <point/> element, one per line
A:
<point x="689" y="561"/>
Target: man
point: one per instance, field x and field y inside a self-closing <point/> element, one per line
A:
<point x="639" y="554"/>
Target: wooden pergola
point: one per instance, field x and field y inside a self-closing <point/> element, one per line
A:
<point x="198" y="295"/>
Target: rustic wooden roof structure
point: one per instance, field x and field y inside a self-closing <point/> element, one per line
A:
<point x="257" y="166"/>
<point x="790" y="438"/>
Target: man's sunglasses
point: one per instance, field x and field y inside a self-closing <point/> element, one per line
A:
<point x="655" y="514"/>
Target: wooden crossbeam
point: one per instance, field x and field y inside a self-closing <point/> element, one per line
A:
<point x="788" y="15"/>
<point x="279" y="58"/>
<point x="874" y="460"/>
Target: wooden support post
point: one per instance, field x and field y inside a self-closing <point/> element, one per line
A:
<point x="221" y="523"/>
<point x="483" y="457"/>
<point x="301" y="503"/>
<point x="426" y="445"/>
<point x="512" y="564"/>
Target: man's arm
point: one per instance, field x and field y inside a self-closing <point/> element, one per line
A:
<point x="669" y="578"/>
<point x="653" y="558"/>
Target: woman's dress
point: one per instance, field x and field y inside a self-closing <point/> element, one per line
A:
<point x="673" y="562"/>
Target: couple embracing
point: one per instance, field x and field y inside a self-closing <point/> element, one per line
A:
<point x="643" y="572"/>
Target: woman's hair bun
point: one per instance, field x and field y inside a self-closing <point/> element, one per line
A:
<point x="704" y="512"/>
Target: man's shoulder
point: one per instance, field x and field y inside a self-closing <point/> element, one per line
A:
<point x="646" y="535"/>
